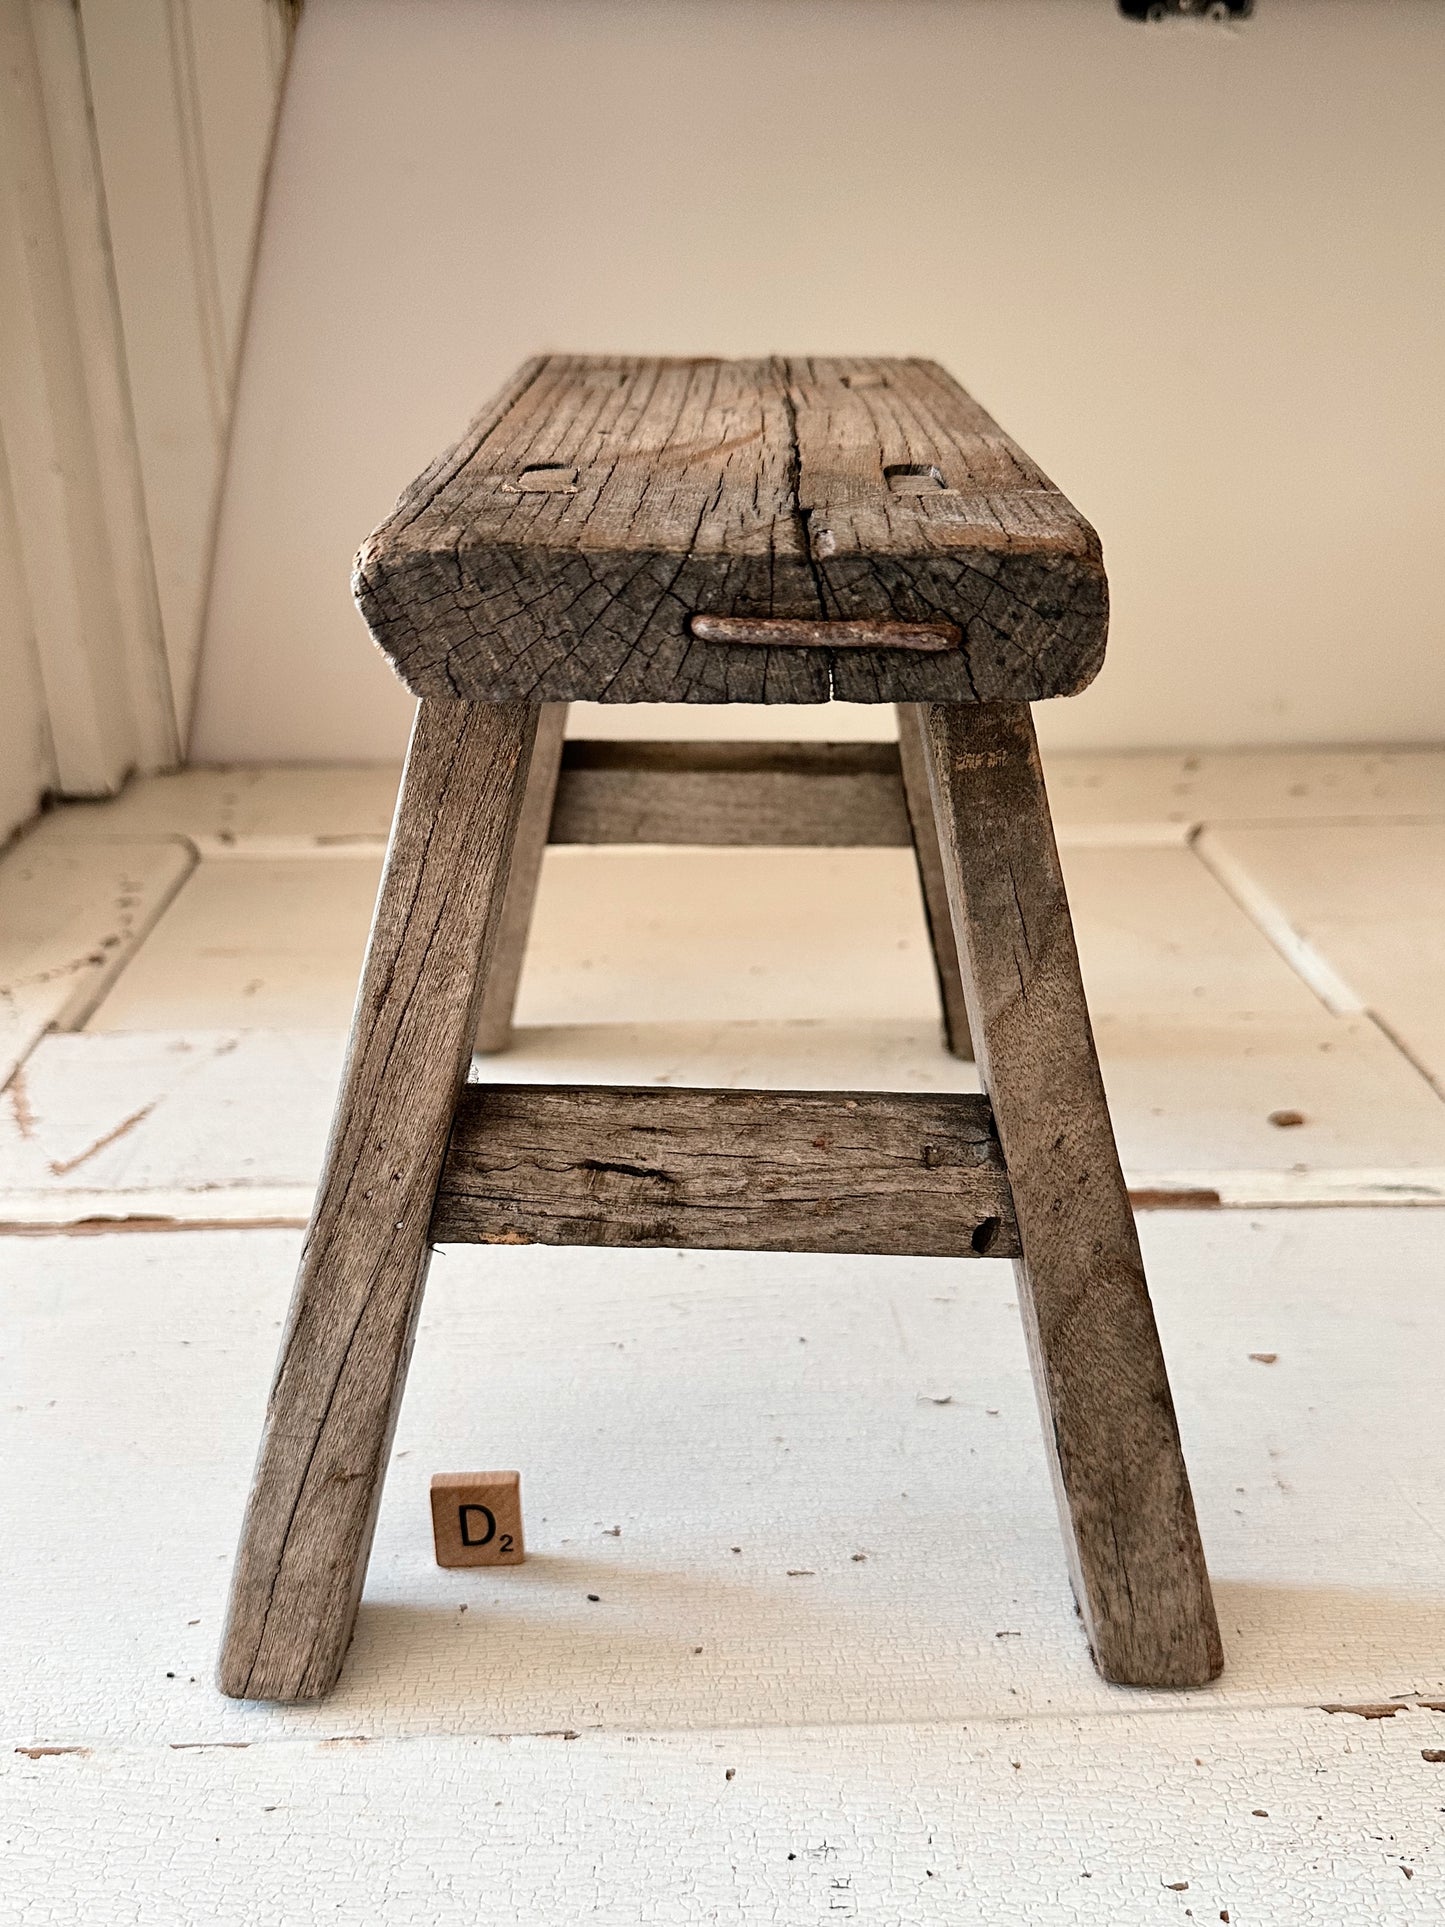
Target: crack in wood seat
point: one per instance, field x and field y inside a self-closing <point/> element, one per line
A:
<point x="635" y="531"/>
<point x="563" y="548"/>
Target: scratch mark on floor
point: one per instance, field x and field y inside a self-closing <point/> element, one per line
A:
<point x="62" y="1167"/>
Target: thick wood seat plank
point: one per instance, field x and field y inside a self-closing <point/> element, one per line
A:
<point x="726" y="1171"/>
<point x="562" y="549"/>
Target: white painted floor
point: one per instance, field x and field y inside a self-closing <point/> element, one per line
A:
<point x="878" y="1707"/>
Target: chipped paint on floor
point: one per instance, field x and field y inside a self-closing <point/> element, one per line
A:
<point x="799" y="1409"/>
<point x="1247" y="1817"/>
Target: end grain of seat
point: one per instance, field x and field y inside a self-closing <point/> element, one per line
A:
<point x="562" y="549"/>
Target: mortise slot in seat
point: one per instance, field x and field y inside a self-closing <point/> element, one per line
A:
<point x="547" y="478"/>
<point x="913" y="478"/>
<point x="826" y="1171"/>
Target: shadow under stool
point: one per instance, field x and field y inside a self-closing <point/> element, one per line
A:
<point x="630" y="530"/>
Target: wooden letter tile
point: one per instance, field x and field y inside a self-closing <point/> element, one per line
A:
<point x="477" y="1518"/>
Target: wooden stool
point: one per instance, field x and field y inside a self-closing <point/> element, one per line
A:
<point x="708" y="531"/>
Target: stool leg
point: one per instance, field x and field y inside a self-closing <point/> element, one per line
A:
<point x="931" y="879"/>
<point x="1137" y="1564"/>
<point x="313" y="1503"/>
<point x="499" y="998"/>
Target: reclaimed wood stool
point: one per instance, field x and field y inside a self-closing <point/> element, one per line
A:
<point x="779" y="531"/>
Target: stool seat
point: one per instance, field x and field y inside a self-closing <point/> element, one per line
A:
<point x="785" y="530"/>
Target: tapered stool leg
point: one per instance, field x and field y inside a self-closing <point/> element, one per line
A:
<point x="504" y="970"/>
<point x="931" y="878"/>
<point x="1138" y="1567"/>
<point x="312" y="1508"/>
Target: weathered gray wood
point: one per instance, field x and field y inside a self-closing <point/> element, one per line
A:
<point x="725" y="1171"/>
<point x="818" y="795"/>
<point x="344" y="1355"/>
<point x="504" y="968"/>
<point x="1138" y="1567"/>
<point x="562" y="548"/>
<point x="932" y="880"/>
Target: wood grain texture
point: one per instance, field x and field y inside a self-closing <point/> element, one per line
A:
<point x="477" y="1519"/>
<point x="808" y="795"/>
<point x="1138" y="1567"/>
<point x="344" y="1355"/>
<point x="561" y="549"/>
<point x="932" y="879"/>
<point x="504" y="967"/>
<point x="725" y="1171"/>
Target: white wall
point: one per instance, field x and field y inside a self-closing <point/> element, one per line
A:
<point x="1198" y="272"/>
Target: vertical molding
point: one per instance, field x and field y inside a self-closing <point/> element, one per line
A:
<point x="211" y="331"/>
<point x="139" y="641"/>
<point x="185" y="95"/>
<point x="79" y="532"/>
<point x="236" y="69"/>
<point x="230" y="65"/>
<point x="27" y="755"/>
<point x="134" y="142"/>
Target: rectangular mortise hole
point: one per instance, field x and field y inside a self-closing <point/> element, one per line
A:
<point x="541" y="477"/>
<point x="913" y="478"/>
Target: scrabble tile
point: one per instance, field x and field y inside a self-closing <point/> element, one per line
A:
<point x="477" y="1518"/>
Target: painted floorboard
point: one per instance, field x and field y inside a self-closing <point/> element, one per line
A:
<point x="252" y="944"/>
<point x="664" y="1409"/>
<point x="314" y="804"/>
<point x="203" y="1086"/>
<point x="1243" y="786"/>
<point x="1254" y="1818"/>
<point x="70" y="918"/>
<point x="878" y="1707"/>
<point x="1365" y="900"/>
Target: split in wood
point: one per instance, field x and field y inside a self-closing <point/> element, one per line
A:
<point x="554" y="553"/>
<point x="713" y="1170"/>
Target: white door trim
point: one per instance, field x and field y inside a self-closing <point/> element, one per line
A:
<point x="134" y="140"/>
<point x="64" y="404"/>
